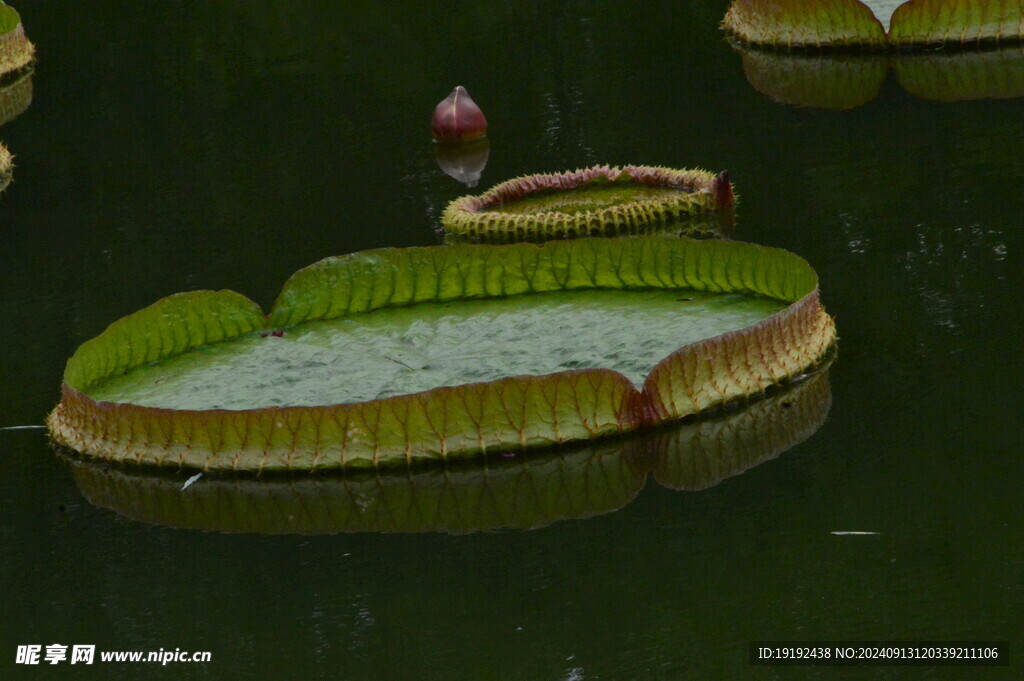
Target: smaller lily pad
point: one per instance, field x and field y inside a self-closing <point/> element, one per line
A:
<point x="598" y="201"/>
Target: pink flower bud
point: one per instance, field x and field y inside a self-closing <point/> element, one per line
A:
<point x="458" y="118"/>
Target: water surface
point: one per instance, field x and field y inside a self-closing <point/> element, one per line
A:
<point x="174" y="146"/>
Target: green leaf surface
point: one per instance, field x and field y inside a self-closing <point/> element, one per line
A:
<point x="9" y="19"/>
<point x="166" y="328"/>
<point x="399" y="351"/>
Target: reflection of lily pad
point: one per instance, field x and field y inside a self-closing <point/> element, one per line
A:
<point x="385" y="357"/>
<point x="15" y="50"/>
<point x="842" y="81"/>
<point x="695" y="459"/>
<point x="989" y="74"/>
<point x="822" y="81"/>
<point x="15" y="96"/>
<point x="499" y="493"/>
<point x="851" y="24"/>
<point x="598" y="201"/>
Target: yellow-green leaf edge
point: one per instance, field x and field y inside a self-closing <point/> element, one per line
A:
<point x="850" y="24"/>
<point x="518" y="413"/>
<point x="506" y="493"/>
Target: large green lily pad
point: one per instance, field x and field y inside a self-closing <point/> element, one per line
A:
<point x="386" y="357"/>
<point x="857" y="25"/>
<point x="513" y="492"/>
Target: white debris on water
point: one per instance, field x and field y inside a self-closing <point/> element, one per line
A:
<point x="842" y="533"/>
<point x="191" y="480"/>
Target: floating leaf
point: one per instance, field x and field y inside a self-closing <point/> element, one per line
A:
<point x="988" y="74"/>
<point x="846" y="24"/>
<point x="957" y="22"/>
<point x="16" y="51"/>
<point x="385" y="357"/>
<point x="598" y="201"/>
<point x="805" y="23"/>
<point x="500" y="493"/>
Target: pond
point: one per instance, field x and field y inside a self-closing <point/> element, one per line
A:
<point x="178" y="146"/>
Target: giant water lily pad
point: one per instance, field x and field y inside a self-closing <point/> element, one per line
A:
<point x="853" y="24"/>
<point x="598" y="201"/>
<point x="398" y="355"/>
<point x="513" y="492"/>
<point x="16" y="51"/>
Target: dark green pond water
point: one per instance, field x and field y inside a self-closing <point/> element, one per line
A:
<point x="175" y="146"/>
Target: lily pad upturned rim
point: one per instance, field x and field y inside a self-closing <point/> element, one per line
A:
<point x="6" y="167"/>
<point x="702" y="192"/>
<point x="517" y="413"/>
<point x="504" y="493"/>
<point x="851" y="26"/>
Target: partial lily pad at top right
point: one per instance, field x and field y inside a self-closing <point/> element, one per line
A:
<point x="857" y="25"/>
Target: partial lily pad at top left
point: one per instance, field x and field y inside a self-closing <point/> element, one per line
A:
<point x="16" y="52"/>
<point x="401" y="355"/>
